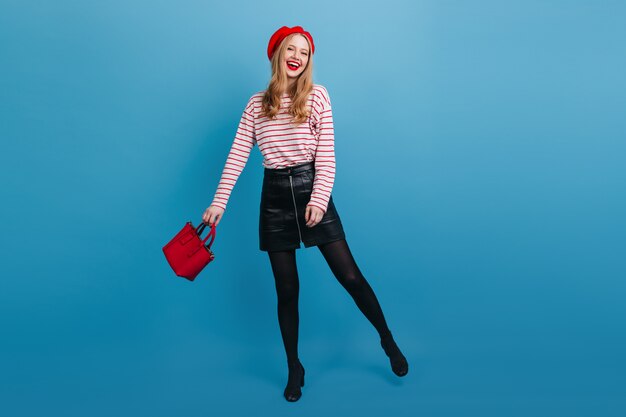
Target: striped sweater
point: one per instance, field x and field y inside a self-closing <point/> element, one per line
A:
<point x="283" y="144"/>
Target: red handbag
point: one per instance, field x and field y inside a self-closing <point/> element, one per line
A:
<point x="186" y="253"/>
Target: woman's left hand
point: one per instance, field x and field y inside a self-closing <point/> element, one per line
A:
<point x="313" y="215"/>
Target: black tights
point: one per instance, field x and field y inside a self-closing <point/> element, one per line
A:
<point x="343" y="266"/>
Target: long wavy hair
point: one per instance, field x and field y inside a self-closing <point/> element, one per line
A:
<point x="299" y="92"/>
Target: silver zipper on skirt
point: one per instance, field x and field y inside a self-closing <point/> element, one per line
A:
<point x="295" y="207"/>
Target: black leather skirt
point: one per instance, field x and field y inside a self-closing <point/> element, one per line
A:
<point x="284" y="196"/>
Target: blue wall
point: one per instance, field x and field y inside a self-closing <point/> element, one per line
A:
<point x="481" y="154"/>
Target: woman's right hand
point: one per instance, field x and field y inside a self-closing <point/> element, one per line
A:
<point x="212" y="214"/>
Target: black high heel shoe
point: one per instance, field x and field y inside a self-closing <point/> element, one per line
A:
<point x="399" y="364"/>
<point x="295" y="381"/>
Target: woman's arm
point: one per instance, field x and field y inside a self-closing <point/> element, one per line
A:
<point x="324" y="153"/>
<point x="237" y="158"/>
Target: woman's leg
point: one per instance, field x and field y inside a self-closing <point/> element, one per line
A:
<point x="345" y="269"/>
<point x="287" y="290"/>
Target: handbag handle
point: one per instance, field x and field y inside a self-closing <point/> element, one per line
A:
<point x="199" y="231"/>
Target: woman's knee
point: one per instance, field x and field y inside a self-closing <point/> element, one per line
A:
<point x="352" y="281"/>
<point x="288" y="292"/>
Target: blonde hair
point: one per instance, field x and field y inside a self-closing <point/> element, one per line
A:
<point x="299" y="92"/>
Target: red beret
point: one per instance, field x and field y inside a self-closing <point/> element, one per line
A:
<point x="281" y="34"/>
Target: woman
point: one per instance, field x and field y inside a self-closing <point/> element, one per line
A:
<point x="291" y="122"/>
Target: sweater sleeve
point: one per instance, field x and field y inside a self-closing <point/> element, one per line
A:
<point x="324" y="153"/>
<point x="245" y="139"/>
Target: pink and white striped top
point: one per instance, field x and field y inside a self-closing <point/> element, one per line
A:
<point x="283" y="144"/>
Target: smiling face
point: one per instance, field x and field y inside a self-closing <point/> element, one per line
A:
<point x="296" y="56"/>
